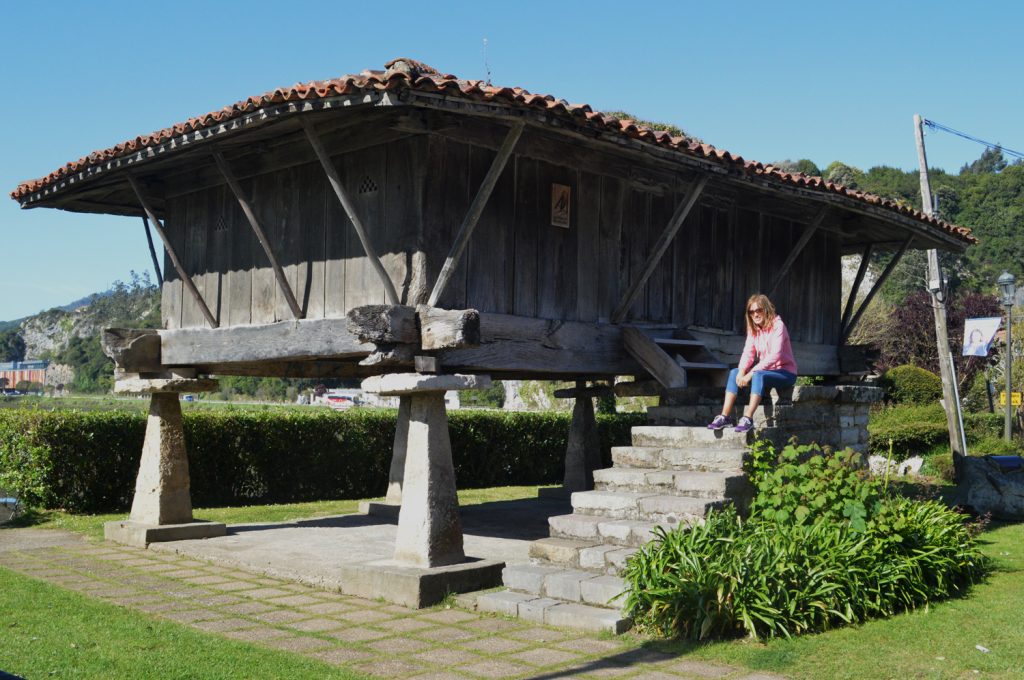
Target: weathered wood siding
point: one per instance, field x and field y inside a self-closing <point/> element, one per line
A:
<point x="412" y="195"/>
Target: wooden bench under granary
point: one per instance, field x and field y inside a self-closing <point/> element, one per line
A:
<point x="421" y="230"/>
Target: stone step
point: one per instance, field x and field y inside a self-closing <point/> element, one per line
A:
<point x="649" y="506"/>
<point x="601" y="532"/>
<point x="695" y="483"/>
<point x="676" y="437"/>
<point x="554" y="612"/>
<point x="567" y="585"/>
<point x="695" y="458"/>
<point x="561" y="551"/>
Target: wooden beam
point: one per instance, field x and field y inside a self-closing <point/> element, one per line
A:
<point x="350" y="210"/>
<point x="152" y="253"/>
<point x="250" y="215"/>
<point x="448" y="328"/>
<point x="284" y="340"/>
<point x="132" y="349"/>
<point x="874" y="289"/>
<point x="664" y="241"/>
<point x="654" y="359"/>
<point x="811" y="358"/>
<point x="805" y="238"/>
<point x="185" y="278"/>
<point x="475" y="210"/>
<point x="861" y="270"/>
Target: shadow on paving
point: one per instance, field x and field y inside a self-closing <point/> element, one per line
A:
<point x="524" y="519"/>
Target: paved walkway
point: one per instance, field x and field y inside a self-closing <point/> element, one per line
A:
<point x="371" y="637"/>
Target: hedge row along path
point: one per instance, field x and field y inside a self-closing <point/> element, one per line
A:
<point x="365" y="636"/>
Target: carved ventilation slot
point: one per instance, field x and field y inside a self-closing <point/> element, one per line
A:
<point x="367" y="186"/>
<point x="221" y="224"/>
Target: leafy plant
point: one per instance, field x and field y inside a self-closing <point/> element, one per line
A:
<point x="824" y="546"/>
<point x="909" y="384"/>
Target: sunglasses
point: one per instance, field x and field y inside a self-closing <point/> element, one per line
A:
<point x="755" y="310"/>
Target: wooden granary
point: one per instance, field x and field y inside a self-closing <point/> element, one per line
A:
<point x="559" y="225"/>
<point x="412" y="223"/>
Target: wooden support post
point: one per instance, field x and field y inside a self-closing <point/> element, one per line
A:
<point x="349" y="207"/>
<point x="664" y="241"/>
<point x="805" y="238"/>
<point x="475" y="210"/>
<point x="874" y="289"/>
<point x="152" y="252"/>
<point x="865" y="258"/>
<point x="186" y="280"/>
<point x="250" y="215"/>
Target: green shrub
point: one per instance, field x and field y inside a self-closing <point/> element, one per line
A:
<point x="916" y="430"/>
<point x="786" y="573"/>
<point x="910" y="384"/>
<point x="87" y="462"/>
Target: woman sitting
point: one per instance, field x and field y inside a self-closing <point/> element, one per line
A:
<point x="767" y="344"/>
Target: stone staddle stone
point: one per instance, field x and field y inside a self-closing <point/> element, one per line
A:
<point x="162" y="487"/>
<point x="397" y="472"/>
<point x="429" y="529"/>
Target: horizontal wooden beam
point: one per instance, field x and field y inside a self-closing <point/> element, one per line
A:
<point x="285" y="340"/>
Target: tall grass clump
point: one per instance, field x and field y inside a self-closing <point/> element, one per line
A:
<point x="824" y="546"/>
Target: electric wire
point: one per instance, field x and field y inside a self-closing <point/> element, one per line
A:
<point x="945" y="128"/>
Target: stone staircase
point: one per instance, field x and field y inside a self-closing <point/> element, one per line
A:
<point x="670" y="476"/>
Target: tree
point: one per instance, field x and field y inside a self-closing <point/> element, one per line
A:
<point x="803" y="165"/>
<point x="12" y="345"/>
<point x="841" y="173"/>
<point x="912" y="336"/>
<point x="990" y="161"/>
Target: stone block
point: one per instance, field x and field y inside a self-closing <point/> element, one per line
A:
<point x="397" y="384"/>
<point x="616" y="559"/>
<point x="595" y="557"/>
<point x="618" y="504"/>
<point x="141" y="534"/>
<point x="527" y="578"/>
<point x="681" y="437"/>
<point x="863" y="394"/>
<point x="636" y="456"/>
<point x="704" y="459"/>
<point x="585" y="617"/>
<point x="565" y="584"/>
<point x="534" y="610"/>
<point x="559" y="550"/>
<point x="601" y="590"/>
<point x="504" y="602"/>
<point x="574" y="526"/>
<point x="416" y="587"/>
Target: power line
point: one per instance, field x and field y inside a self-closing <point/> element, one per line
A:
<point x="939" y="126"/>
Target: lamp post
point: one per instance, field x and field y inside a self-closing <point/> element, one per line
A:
<point x="1006" y="283"/>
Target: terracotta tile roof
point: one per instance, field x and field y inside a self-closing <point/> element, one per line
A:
<point x="409" y="74"/>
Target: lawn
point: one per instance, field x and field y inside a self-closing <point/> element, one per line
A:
<point x="50" y="632"/>
<point x="939" y="642"/>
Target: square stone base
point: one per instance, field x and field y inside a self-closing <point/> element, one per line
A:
<point x="139" y="534"/>
<point x="417" y="587"/>
<point x="380" y="509"/>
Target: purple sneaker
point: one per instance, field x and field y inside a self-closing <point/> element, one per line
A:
<point x="745" y="424"/>
<point x="720" y="423"/>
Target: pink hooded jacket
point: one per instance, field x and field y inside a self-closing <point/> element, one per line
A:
<point x="771" y="348"/>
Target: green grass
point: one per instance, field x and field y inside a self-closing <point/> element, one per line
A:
<point x="92" y="525"/>
<point x="49" y="632"/>
<point x="938" y="642"/>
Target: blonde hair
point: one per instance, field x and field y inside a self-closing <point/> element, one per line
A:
<point x="762" y="301"/>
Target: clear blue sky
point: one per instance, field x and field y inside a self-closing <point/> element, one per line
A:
<point x="767" y="80"/>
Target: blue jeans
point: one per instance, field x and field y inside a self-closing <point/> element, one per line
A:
<point x="761" y="381"/>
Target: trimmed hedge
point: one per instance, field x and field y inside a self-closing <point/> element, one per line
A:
<point x="910" y="384"/>
<point x="86" y="462"/>
<point x="914" y="429"/>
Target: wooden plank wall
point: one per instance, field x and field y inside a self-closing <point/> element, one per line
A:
<point x="412" y="195"/>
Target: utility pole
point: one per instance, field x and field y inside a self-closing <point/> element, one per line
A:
<point x="937" y="289"/>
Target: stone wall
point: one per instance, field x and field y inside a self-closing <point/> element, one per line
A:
<point x="833" y="415"/>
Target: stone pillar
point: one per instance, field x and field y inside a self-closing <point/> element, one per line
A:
<point x="429" y="529"/>
<point x="397" y="472"/>
<point x="162" y="487"/>
<point x="583" y="453"/>
<point x="162" y="505"/>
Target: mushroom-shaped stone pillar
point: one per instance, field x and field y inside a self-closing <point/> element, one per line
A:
<point x="429" y="529"/>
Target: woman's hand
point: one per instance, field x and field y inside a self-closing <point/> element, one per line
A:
<point x="743" y="379"/>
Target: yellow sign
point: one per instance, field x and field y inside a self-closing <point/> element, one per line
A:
<point x="1014" y="396"/>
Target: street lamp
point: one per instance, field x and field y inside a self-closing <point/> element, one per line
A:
<point x="1006" y="285"/>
